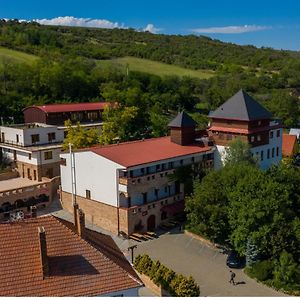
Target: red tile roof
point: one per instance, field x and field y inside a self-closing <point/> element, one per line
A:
<point x="289" y="143"/>
<point x="146" y="151"/>
<point x="69" y="107"/>
<point x="77" y="267"/>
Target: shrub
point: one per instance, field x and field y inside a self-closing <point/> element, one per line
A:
<point x="286" y="270"/>
<point x="155" y="266"/>
<point x="262" y="270"/>
<point x="174" y="284"/>
<point x="159" y="276"/>
<point x="187" y="287"/>
<point x="144" y="264"/>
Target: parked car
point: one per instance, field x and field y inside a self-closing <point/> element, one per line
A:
<point x="234" y="260"/>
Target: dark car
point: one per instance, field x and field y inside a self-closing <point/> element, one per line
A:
<point x="234" y="260"/>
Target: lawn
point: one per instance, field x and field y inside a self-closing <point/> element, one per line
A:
<point x="17" y="56"/>
<point x="154" y="67"/>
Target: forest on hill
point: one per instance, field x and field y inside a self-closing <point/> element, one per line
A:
<point x="68" y="70"/>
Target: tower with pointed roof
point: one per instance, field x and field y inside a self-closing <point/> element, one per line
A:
<point x="182" y="129"/>
<point x="243" y="117"/>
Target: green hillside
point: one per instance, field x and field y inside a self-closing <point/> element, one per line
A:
<point x="154" y="67"/>
<point x="16" y="56"/>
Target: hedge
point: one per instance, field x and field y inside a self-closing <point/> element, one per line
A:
<point x="176" y="284"/>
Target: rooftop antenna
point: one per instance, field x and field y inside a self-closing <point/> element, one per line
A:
<point x="73" y="175"/>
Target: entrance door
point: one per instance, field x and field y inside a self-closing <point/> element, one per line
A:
<point x="151" y="223"/>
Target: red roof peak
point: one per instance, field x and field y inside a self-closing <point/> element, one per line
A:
<point x="71" y="107"/>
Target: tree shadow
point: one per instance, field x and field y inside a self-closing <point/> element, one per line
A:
<point x="70" y="265"/>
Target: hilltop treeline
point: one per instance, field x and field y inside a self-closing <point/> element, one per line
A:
<point x="188" y="51"/>
<point x="67" y="71"/>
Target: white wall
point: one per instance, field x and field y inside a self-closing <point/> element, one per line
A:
<point x="124" y="293"/>
<point x="43" y="132"/>
<point x="11" y="134"/>
<point x="273" y="143"/>
<point x="264" y="164"/>
<point x="37" y="157"/>
<point x="94" y="173"/>
<point x="25" y="134"/>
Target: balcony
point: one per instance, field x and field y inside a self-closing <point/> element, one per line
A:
<point x="159" y="203"/>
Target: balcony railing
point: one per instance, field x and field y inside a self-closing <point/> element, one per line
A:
<point x="152" y="204"/>
<point x="145" y="178"/>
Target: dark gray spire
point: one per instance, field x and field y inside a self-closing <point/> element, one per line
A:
<point x="182" y="120"/>
<point x="241" y="106"/>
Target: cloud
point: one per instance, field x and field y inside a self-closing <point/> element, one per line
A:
<point x="231" y="29"/>
<point x="151" y="28"/>
<point x="81" y="22"/>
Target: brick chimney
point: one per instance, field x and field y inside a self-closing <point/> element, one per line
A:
<point x="81" y="223"/>
<point x="183" y="129"/>
<point x="43" y="251"/>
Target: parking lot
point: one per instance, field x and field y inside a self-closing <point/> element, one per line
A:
<point x="189" y="256"/>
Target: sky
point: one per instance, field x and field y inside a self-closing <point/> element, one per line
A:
<point x="263" y="23"/>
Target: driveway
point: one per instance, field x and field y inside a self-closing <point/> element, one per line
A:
<point x="189" y="256"/>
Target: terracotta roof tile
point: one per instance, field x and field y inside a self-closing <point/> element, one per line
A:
<point x="77" y="267"/>
<point x="146" y="151"/>
<point x="289" y="143"/>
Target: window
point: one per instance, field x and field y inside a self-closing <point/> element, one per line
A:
<point x="17" y="138"/>
<point x="271" y="134"/>
<point x="153" y="176"/>
<point x="170" y="165"/>
<point x="278" y="133"/>
<point x="268" y="154"/>
<point x="181" y="162"/>
<point x="166" y="189"/>
<point x="144" y="198"/>
<point x="277" y="151"/>
<point x="29" y="156"/>
<point x="142" y="170"/>
<point x="35" y="138"/>
<point x="262" y="155"/>
<point x="258" y="138"/>
<point x="252" y="138"/>
<point x="273" y="150"/>
<point x="258" y="123"/>
<point x="48" y="155"/>
<point x="193" y="159"/>
<point x="87" y="194"/>
<point x="51" y="136"/>
<point x="157" y="167"/>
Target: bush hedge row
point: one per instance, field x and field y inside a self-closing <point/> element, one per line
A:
<point x="176" y="284"/>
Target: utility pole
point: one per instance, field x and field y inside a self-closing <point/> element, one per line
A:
<point x="131" y="249"/>
<point x="73" y="175"/>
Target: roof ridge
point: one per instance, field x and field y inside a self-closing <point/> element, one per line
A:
<point x="91" y="246"/>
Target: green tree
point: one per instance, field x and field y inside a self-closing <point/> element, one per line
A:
<point x="80" y="137"/>
<point x="118" y="124"/>
<point x="238" y="152"/>
<point x="286" y="270"/>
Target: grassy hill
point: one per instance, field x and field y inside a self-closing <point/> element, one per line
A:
<point x="16" y="56"/>
<point x="154" y="67"/>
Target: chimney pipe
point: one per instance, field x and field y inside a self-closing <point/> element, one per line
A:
<point x="81" y="223"/>
<point x="43" y="251"/>
<point x="75" y="210"/>
<point x="33" y="211"/>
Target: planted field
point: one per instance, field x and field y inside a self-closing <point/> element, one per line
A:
<point x="154" y="67"/>
<point x="17" y="56"/>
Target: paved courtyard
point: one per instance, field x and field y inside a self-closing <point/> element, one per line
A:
<point x="189" y="256"/>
